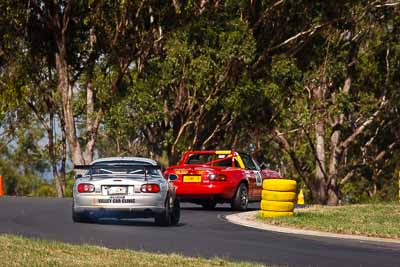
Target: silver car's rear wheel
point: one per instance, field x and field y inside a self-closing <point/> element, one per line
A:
<point x="176" y="212"/>
<point x="171" y="213"/>
<point x="77" y="217"/>
<point x="80" y="216"/>
<point x="164" y="218"/>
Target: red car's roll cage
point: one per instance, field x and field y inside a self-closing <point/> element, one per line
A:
<point x="230" y="155"/>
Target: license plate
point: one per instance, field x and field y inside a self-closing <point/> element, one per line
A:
<point x="117" y="190"/>
<point x="192" y="178"/>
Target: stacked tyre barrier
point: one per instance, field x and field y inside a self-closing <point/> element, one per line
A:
<point x="278" y="197"/>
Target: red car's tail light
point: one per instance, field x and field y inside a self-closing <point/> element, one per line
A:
<point x="217" y="177"/>
<point x="85" y="188"/>
<point x="150" y="188"/>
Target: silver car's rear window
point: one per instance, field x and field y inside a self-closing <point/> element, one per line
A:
<point x="135" y="170"/>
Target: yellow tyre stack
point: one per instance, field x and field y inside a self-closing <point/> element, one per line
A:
<point x="278" y="197"/>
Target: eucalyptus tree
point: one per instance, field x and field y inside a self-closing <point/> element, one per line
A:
<point x="56" y="54"/>
<point x="93" y="45"/>
<point x="332" y="73"/>
<point x="83" y="35"/>
<point x="195" y="91"/>
<point x="314" y="85"/>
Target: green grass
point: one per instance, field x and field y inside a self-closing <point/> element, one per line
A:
<point x="376" y="220"/>
<point x="19" y="251"/>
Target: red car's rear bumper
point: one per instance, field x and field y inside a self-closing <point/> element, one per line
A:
<point x="222" y="190"/>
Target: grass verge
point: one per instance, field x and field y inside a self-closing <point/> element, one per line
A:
<point x="375" y="220"/>
<point x="20" y="251"/>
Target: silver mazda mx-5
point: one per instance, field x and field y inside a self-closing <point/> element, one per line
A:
<point x="126" y="187"/>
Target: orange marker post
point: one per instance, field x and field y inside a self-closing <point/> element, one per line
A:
<point x="1" y="186"/>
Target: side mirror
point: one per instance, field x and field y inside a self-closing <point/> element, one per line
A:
<point x="172" y="177"/>
<point x="78" y="176"/>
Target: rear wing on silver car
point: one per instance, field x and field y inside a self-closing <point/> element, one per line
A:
<point x="128" y="168"/>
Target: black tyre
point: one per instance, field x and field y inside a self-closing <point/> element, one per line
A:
<point x="80" y="217"/>
<point x="209" y="205"/>
<point x="164" y="218"/>
<point x="241" y="198"/>
<point x="176" y="212"/>
<point x="77" y="217"/>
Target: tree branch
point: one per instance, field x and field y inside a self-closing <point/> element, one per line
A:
<point x="348" y="176"/>
<point x="284" y="144"/>
<point x="346" y="143"/>
<point x="217" y="128"/>
<point x="182" y="128"/>
<point x="38" y="116"/>
<point x="266" y="13"/>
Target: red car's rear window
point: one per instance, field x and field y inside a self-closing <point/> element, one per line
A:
<point x="208" y="158"/>
<point x="200" y="158"/>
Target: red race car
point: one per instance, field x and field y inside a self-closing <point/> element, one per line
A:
<point x="218" y="176"/>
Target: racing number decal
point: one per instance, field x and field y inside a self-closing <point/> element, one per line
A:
<point x="258" y="178"/>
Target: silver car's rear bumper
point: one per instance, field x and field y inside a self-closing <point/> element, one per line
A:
<point x="137" y="200"/>
<point x="143" y="205"/>
<point x="147" y="212"/>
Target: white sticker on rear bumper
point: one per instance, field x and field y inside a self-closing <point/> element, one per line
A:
<point x="115" y="200"/>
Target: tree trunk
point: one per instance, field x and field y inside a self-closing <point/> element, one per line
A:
<point x="65" y="89"/>
<point x="321" y="196"/>
<point x="320" y="162"/>
<point x="90" y="123"/>
<point x="60" y="187"/>
<point x="63" y="150"/>
<point x="318" y="191"/>
<point x="333" y="187"/>
<point x="64" y="85"/>
<point x="333" y="195"/>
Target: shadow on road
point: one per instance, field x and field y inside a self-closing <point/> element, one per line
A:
<point x="219" y="209"/>
<point x="129" y="222"/>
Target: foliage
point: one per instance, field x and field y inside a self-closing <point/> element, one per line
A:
<point x="312" y="87"/>
<point x="27" y="184"/>
<point x="69" y="184"/>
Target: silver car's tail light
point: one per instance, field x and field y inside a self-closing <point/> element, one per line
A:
<point x="85" y="188"/>
<point x="150" y="188"/>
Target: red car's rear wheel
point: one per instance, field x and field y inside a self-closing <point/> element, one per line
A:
<point x="241" y="198"/>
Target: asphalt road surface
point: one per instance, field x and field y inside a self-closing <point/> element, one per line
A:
<point x="200" y="233"/>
